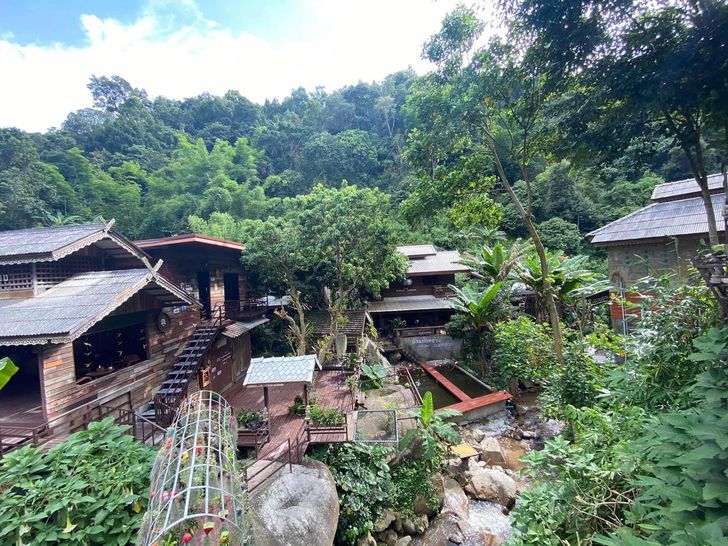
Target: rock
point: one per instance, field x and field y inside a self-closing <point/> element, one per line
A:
<point x="367" y="540"/>
<point x="550" y="429"/>
<point x="287" y="513"/>
<point x="492" y="485"/>
<point x="404" y="541"/>
<point x="490" y="452"/>
<point x="455" y="500"/>
<point x="384" y="520"/>
<point x="397" y="525"/>
<point x="389" y="537"/>
<point x="420" y="504"/>
<point x="408" y="527"/>
<point x="420" y="523"/>
<point x="444" y="531"/>
<point x="529" y="434"/>
<point x="478" y="434"/>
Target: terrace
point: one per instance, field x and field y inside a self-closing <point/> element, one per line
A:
<point x="273" y="384"/>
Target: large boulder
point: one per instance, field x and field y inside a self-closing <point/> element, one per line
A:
<point x="492" y="485"/>
<point x="421" y="504"/>
<point x="490" y="451"/>
<point x="298" y="508"/>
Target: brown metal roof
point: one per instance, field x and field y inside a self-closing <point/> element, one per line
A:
<point x="408" y="303"/>
<point x="190" y="238"/>
<point x="321" y="322"/>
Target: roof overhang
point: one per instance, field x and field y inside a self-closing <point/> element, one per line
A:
<point x="152" y="283"/>
<point x="190" y="238"/>
<point x="406" y="304"/>
<point x="237" y="329"/>
<point x="106" y="238"/>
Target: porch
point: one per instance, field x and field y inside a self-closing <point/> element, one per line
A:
<point x="328" y="386"/>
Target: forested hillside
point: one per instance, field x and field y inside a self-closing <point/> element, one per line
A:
<point x="153" y="163"/>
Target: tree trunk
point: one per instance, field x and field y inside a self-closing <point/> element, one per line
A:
<point x="297" y="325"/>
<point x="548" y="295"/>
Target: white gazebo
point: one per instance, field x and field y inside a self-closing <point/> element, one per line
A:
<point x="282" y="370"/>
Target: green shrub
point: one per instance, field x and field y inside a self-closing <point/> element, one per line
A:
<point x="524" y="350"/>
<point x="327" y="417"/>
<point x="91" y="489"/>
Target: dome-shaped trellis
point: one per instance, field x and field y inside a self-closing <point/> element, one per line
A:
<point x="196" y="495"/>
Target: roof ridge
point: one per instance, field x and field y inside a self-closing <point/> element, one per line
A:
<point x="605" y="226"/>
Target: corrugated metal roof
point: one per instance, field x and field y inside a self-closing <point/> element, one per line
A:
<point x="38" y="241"/>
<point x="67" y="310"/>
<point x="281" y="369"/>
<point x="408" y="303"/>
<point x="416" y="250"/>
<point x="685" y="188"/>
<point x="321" y="322"/>
<point x="661" y="220"/>
<point x="237" y="329"/>
<point x="442" y="262"/>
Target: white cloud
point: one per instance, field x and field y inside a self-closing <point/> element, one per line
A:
<point x="177" y="53"/>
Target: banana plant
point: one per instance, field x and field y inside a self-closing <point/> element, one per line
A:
<point x="433" y="431"/>
<point x="7" y="370"/>
<point x="567" y="276"/>
<point x="477" y="304"/>
<point x="496" y="262"/>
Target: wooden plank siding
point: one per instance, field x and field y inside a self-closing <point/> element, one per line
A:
<point x="58" y="379"/>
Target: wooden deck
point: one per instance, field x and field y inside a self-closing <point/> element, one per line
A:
<point x="330" y="388"/>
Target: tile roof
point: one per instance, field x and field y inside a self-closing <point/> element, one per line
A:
<point x="685" y="188"/>
<point x="412" y="251"/>
<point x="660" y="220"/>
<point x="321" y="322"/>
<point x="281" y="369"/>
<point x="408" y="303"/>
<point x="237" y="329"/>
<point x="71" y="307"/>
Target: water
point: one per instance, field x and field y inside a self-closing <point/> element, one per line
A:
<point x="463" y="381"/>
<point x="486" y="518"/>
<point x="441" y="397"/>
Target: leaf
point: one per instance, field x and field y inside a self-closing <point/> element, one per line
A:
<point x="7" y="370"/>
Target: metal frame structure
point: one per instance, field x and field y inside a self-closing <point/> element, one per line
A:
<point x="195" y="487"/>
<point x="392" y="439"/>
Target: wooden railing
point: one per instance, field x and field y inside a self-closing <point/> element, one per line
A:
<point x="267" y="468"/>
<point x="340" y="432"/>
<point x="418" y="331"/>
<point x="16" y="434"/>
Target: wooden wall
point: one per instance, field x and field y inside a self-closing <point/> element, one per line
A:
<point x="421" y="286"/>
<point x="58" y="380"/>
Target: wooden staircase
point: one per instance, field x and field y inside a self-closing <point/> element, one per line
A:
<point x="174" y="388"/>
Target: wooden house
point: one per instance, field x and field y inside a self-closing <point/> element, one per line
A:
<point x="87" y="318"/>
<point x="659" y="238"/>
<point x="420" y="302"/>
<point x="99" y="326"/>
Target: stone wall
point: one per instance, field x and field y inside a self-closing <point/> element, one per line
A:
<point x="433" y="347"/>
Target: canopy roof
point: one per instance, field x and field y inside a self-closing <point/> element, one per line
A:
<point x="237" y="329"/>
<point x="49" y="244"/>
<point x="281" y="369"/>
<point x="408" y="303"/>
<point x="67" y="310"/>
<point x="355" y="320"/>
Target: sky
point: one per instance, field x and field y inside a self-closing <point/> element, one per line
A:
<point x="181" y="48"/>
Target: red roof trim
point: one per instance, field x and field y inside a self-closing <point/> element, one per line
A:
<point x="188" y="239"/>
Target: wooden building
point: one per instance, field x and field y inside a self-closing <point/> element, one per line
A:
<point x="87" y="319"/>
<point x="99" y="326"/>
<point x="420" y="302"/>
<point x="659" y="238"/>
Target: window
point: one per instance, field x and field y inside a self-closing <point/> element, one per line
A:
<point x="16" y="277"/>
<point x="120" y="342"/>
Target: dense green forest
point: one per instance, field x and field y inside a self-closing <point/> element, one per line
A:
<point x="153" y="163"/>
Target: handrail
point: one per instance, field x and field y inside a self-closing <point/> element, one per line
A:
<point x="287" y="457"/>
<point x="414" y="389"/>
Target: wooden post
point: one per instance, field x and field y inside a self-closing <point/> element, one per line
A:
<point x="305" y="394"/>
<point x="265" y="397"/>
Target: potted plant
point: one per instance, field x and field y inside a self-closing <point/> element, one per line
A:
<point x="250" y="419"/>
